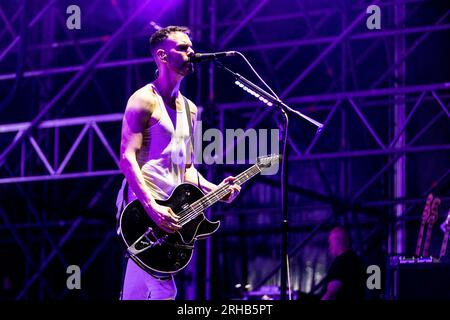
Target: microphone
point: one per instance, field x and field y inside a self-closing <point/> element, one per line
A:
<point x="200" y="57"/>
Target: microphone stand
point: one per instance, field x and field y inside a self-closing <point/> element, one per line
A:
<point x="270" y="100"/>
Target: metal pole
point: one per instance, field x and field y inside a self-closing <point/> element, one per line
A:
<point x="399" y="121"/>
<point x="211" y="101"/>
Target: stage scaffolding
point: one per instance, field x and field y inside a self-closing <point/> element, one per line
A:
<point x="379" y="115"/>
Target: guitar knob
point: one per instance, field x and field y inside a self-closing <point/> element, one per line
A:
<point x="182" y="255"/>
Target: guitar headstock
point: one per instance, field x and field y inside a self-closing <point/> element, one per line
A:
<point x="268" y="161"/>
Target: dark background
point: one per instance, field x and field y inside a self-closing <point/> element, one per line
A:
<point x="36" y="216"/>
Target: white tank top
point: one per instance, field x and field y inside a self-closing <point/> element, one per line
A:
<point x="162" y="157"/>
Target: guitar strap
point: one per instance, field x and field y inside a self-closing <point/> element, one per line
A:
<point x="191" y="138"/>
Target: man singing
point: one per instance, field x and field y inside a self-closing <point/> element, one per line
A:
<point x="155" y="152"/>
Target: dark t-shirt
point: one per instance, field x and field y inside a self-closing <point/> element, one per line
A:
<point x="348" y="269"/>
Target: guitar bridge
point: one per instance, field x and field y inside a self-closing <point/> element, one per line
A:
<point x="145" y="242"/>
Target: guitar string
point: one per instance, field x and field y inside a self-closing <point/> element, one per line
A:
<point x="190" y="213"/>
<point x="199" y="208"/>
<point x="200" y="205"/>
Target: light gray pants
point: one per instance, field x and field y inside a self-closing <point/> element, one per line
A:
<point x="139" y="285"/>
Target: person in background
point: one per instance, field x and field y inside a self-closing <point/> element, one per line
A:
<point x="345" y="278"/>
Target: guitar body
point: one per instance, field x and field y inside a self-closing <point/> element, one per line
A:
<point x="155" y="250"/>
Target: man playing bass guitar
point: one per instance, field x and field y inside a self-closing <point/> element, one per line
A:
<point x="155" y="151"/>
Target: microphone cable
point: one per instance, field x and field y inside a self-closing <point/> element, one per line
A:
<point x="257" y="75"/>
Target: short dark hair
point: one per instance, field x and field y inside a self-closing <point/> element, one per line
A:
<point x="162" y="34"/>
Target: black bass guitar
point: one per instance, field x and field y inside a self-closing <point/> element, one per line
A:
<point x="162" y="253"/>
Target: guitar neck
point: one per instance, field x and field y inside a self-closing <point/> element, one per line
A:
<point x="218" y="194"/>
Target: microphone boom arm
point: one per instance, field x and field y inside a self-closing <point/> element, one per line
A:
<point x="270" y="99"/>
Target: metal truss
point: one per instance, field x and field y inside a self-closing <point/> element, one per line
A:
<point x="56" y="169"/>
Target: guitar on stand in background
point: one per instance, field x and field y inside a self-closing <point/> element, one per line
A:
<point x="430" y="215"/>
<point x="424" y="275"/>
<point x="446" y="228"/>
